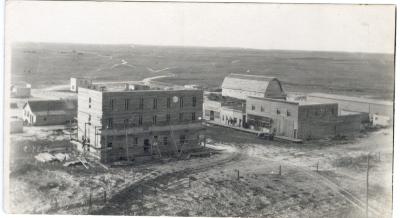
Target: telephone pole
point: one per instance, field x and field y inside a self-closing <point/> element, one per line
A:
<point x="366" y="204"/>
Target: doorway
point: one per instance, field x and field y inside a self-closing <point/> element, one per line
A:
<point x="211" y="115"/>
<point x="146" y="146"/>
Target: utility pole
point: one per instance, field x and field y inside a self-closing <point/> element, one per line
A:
<point x="126" y="141"/>
<point x="366" y="207"/>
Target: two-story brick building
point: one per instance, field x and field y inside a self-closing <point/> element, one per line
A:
<point x="124" y="123"/>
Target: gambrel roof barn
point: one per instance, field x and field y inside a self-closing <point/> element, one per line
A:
<point x="242" y="86"/>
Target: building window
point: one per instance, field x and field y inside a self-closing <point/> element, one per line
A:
<point x="180" y="116"/>
<point x="169" y="102"/>
<point x="253" y="107"/>
<point x="112" y="104"/>
<point x="140" y="120"/>
<point x="126" y="122"/>
<point x="278" y="111"/>
<point x="262" y="109"/>
<point x="44" y="118"/>
<point x="288" y="113"/>
<point x="90" y="100"/>
<point x="194" y="101"/>
<point x="165" y="140"/>
<point x="110" y="123"/>
<point x="181" y="102"/>
<point x="135" y="140"/>
<point x="126" y="104"/>
<point x="90" y="118"/>
<point x="182" y="139"/>
<point x="168" y="118"/>
<point x="110" y="140"/>
<point x="155" y="103"/>
<point x="141" y="103"/>
<point x="194" y="116"/>
<point x="154" y="119"/>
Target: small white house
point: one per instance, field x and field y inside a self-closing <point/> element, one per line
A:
<point x="381" y="120"/>
<point x="21" y="90"/>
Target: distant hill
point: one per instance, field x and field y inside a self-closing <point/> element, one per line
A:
<point x="345" y="73"/>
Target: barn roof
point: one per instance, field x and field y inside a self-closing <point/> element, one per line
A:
<point x="254" y="83"/>
<point x="51" y="105"/>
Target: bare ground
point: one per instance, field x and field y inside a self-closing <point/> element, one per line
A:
<point x="163" y="187"/>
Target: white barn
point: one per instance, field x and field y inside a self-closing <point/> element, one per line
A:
<point x="241" y="86"/>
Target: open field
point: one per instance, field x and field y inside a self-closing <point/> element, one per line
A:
<point x="162" y="187"/>
<point x="344" y="73"/>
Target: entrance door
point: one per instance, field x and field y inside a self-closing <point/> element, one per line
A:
<point x="146" y="146"/>
<point x="211" y="115"/>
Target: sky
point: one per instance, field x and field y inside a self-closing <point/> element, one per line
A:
<point x="348" y="28"/>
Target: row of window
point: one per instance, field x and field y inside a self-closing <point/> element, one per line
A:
<point x="155" y="103"/>
<point x="110" y="123"/>
<point x="182" y="140"/>
<point x="278" y="111"/>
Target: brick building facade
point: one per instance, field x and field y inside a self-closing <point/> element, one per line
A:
<point x="128" y="124"/>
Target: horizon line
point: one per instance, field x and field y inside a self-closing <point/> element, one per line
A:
<point x="196" y="46"/>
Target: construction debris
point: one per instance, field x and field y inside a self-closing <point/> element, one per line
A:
<point x="45" y="157"/>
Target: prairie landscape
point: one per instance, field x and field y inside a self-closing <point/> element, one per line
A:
<point x="355" y="74"/>
<point x="242" y="175"/>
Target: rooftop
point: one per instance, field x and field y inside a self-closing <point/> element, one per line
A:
<point x="350" y="98"/>
<point x="228" y="102"/>
<point x="51" y="105"/>
<point x="135" y="86"/>
<point x="292" y="101"/>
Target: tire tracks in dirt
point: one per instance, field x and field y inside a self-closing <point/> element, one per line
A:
<point x="349" y="197"/>
<point x="120" y="201"/>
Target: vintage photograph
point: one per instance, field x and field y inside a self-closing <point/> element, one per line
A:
<point x="199" y="109"/>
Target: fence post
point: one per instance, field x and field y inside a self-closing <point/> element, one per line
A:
<point x="238" y="176"/>
<point x="189" y="182"/>
<point x="141" y="191"/>
<point x="280" y="170"/>
<point x="317" y="165"/>
<point x="105" y="196"/>
<point x="90" y="201"/>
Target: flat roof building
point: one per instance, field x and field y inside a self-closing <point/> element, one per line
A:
<point x="21" y="90"/>
<point x="357" y="104"/>
<point x="299" y="120"/>
<point x="121" y="122"/>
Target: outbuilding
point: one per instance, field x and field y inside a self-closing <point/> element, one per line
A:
<point x="21" y="90"/>
<point x="49" y="112"/>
